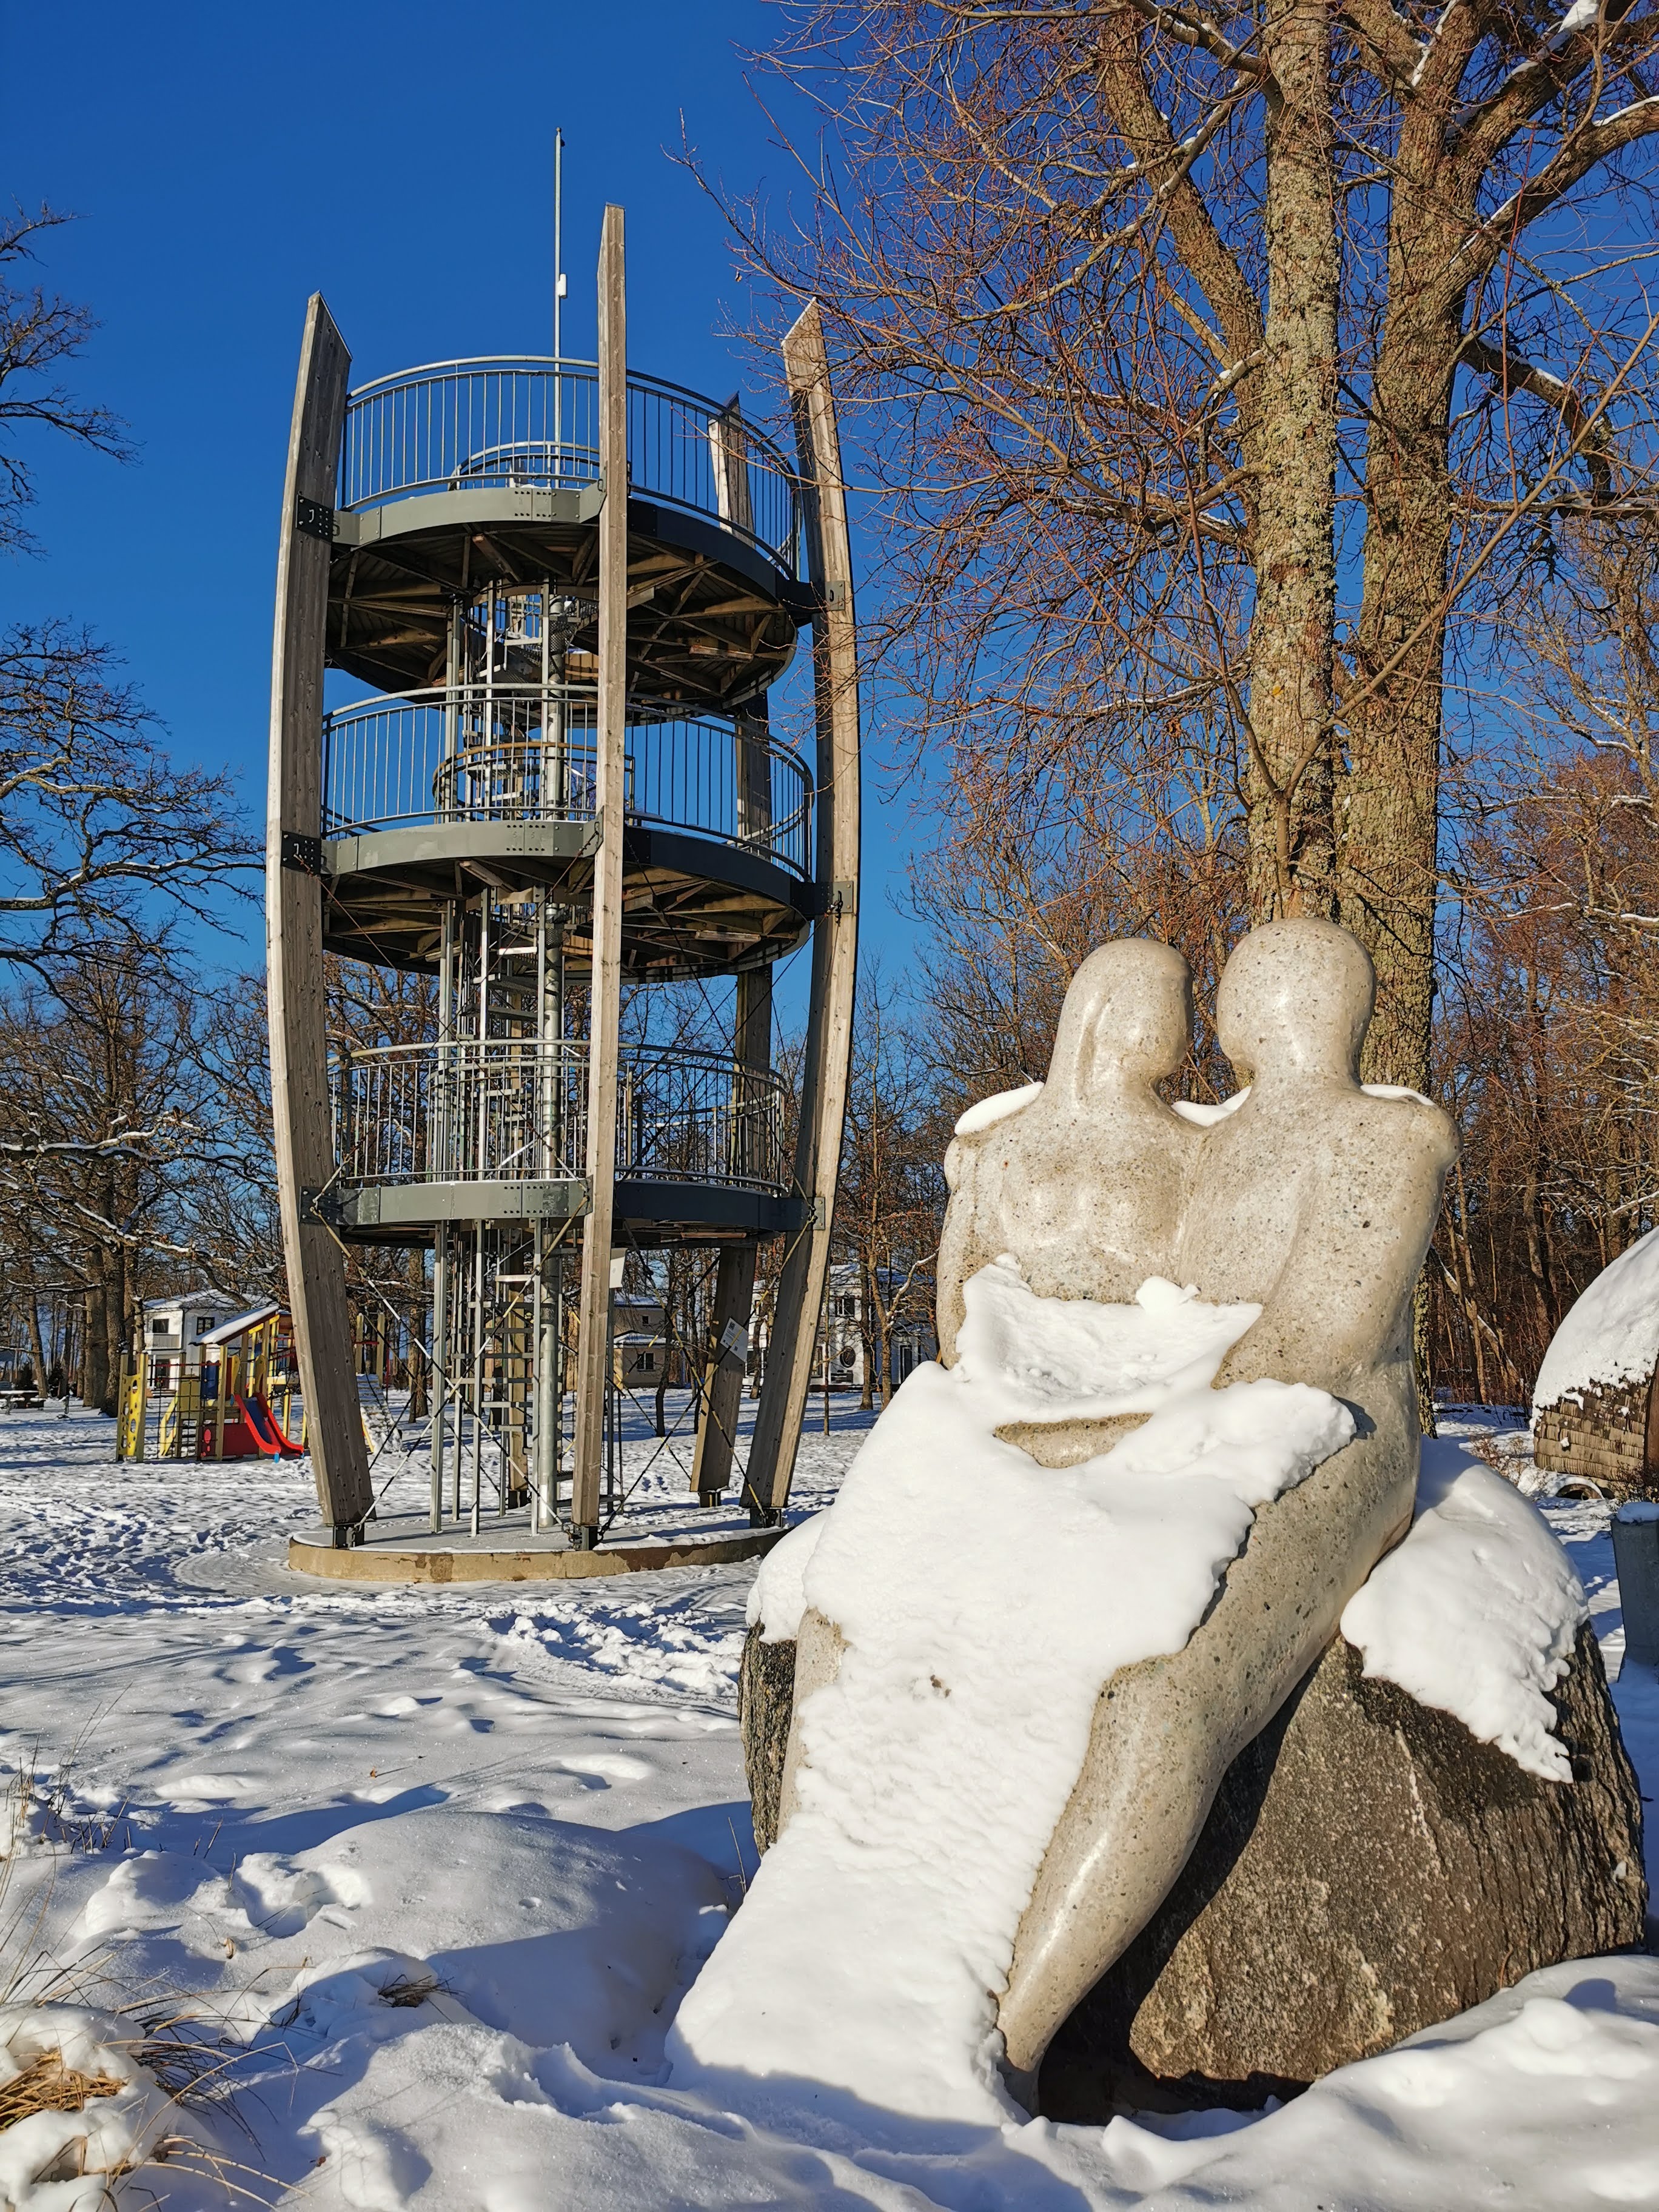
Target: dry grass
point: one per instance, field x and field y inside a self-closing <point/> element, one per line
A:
<point x="410" y="1990"/>
<point x="29" y="1792"/>
<point x="49" y="2086"/>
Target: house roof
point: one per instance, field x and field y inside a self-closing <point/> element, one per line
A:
<point x="238" y="1323"/>
<point x="1612" y="1334"/>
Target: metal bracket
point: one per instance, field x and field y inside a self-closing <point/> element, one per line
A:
<point x="836" y="595"/>
<point x="843" y="901"/>
<point x="313" y="519"/>
<point x="302" y="853"/>
<point x="321" y="1206"/>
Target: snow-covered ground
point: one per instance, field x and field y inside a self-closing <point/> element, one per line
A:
<point x="431" y="1869"/>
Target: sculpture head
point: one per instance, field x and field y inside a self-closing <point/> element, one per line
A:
<point x="1128" y="1018"/>
<point x="1295" y="1000"/>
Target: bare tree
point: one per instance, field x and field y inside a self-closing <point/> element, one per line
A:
<point x="889" y="1200"/>
<point x="38" y="332"/>
<point x="102" y="1133"/>
<point x="1206" y="360"/>
<point x="96" y="822"/>
<point x="93" y="818"/>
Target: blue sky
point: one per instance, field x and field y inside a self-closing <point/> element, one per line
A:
<point x="226" y="161"/>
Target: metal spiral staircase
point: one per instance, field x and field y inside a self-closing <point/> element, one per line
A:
<point x="567" y="590"/>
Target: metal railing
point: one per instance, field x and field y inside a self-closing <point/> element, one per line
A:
<point x="504" y="753"/>
<point x="532" y="422"/>
<point x="513" y="1110"/>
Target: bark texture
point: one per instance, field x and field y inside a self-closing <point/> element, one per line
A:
<point x="1292" y="630"/>
<point x="1390" y="798"/>
<point x="1368" y="1869"/>
<point x="766" y="1694"/>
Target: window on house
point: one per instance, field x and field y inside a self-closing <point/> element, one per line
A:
<point x="204" y="1322"/>
<point x="158" y="1329"/>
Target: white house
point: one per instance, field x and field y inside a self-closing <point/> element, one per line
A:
<point x="174" y="1332"/>
<point x="638" y="1340"/>
<point x="841" y="1346"/>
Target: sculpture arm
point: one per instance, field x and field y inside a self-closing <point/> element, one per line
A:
<point x="961" y="1252"/>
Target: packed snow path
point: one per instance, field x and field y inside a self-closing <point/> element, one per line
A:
<point x="437" y="1865"/>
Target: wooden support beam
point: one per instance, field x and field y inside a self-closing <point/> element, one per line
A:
<point x="294" y="932"/>
<point x="827" y="1063"/>
<point x="727" y="1351"/>
<point x="593" y="1325"/>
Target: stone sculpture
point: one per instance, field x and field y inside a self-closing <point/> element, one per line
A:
<point x="1314" y="1199"/>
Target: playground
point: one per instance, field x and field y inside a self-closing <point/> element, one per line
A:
<point x="233" y="1391"/>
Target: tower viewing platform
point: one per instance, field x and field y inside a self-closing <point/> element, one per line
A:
<point x="563" y="593"/>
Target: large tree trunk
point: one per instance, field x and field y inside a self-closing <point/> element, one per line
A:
<point x="37" y="1347"/>
<point x="1388" y="806"/>
<point x="95" y="1384"/>
<point x="1368" y="1869"/>
<point x="1292" y="630"/>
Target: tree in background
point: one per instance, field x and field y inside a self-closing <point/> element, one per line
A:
<point x="1550" y="1017"/>
<point x="1208" y="362"/>
<point x="94" y="818"/>
<point x="101" y="1107"/>
<point x="890" y="1201"/>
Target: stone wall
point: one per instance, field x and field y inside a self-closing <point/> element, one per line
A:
<point x="1597" y="1435"/>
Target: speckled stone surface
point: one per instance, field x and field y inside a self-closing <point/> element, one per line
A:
<point x="1088" y="1183"/>
<point x="1368" y="1870"/>
<point x="1316" y="1201"/>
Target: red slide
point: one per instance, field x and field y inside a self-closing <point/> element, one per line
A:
<point x="290" y="1449"/>
<point x="266" y="1429"/>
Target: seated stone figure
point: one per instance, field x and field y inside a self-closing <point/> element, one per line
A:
<point x="1086" y="1183"/>
<point x="1316" y="1201"/>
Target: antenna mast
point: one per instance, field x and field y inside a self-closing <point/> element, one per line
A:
<point x="558" y="237"/>
<point x="558" y="303"/>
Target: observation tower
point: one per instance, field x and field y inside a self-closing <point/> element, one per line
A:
<point x="568" y="588"/>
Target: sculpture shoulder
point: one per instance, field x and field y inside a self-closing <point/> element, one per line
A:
<point x="983" y="1125"/>
<point x="1402" y="1128"/>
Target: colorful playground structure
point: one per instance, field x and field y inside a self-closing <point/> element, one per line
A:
<point x="239" y="1400"/>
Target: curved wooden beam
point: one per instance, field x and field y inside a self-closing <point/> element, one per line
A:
<point x="827" y="1066"/>
<point x="294" y="931"/>
<point x="604" y="996"/>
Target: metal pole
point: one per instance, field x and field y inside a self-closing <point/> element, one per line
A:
<point x="558" y="304"/>
<point x="437" y="1371"/>
<point x="477" y="1375"/>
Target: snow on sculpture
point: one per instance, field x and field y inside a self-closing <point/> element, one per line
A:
<point x="1074" y="1572"/>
